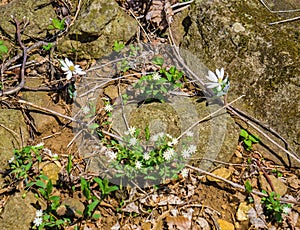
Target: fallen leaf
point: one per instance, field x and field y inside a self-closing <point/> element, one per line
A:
<point x="180" y="222"/>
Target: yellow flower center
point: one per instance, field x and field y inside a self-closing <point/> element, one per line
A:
<point x="72" y="68"/>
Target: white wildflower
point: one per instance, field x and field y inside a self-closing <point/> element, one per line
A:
<point x="184" y="173"/>
<point x="37" y="221"/>
<point x="192" y="149"/>
<point x="156" y="76"/>
<point x="216" y="81"/>
<point x="111" y="155"/>
<point x="132" y="141"/>
<point x="85" y="110"/>
<point x="168" y="154"/>
<point x="173" y="142"/>
<point x="70" y="69"/>
<point x="186" y="154"/>
<point x="286" y="210"/>
<point x="39" y="213"/>
<point x="108" y="108"/>
<point x="131" y="131"/>
<point x="146" y="156"/>
<point x="189" y="134"/>
<point x="11" y="159"/>
<point x="39" y="145"/>
<point x="154" y="138"/>
<point x="138" y="165"/>
<point x="169" y="136"/>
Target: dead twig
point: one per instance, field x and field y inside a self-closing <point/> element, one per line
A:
<point x="238" y="186"/>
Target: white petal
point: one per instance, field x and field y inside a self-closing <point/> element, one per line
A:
<point x="211" y="85"/>
<point x="68" y="62"/>
<point x="212" y="77"/>
<point x="64" y="65"/>
<point x="65" y="68"/>
<point x="220" y="73"/>
<point x="69" y="75"/>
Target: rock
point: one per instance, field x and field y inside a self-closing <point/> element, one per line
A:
<point x="221" y="172"/>
<point x="11" y="129"/>
<point x="262" y="61"/>
<point x="98" y="25"/>
<point x="38" y="13"/>
<point x="224" y="225"/>
<point x="293" y="181"/>
<point x="242" y="212"/>
<point x="51" y="170"/>
<point x="18" y="212"/>
<point x="74" y="207"/>
<point x="279" y="187"/>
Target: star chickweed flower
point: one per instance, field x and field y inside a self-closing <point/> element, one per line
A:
<point x="156" y="76"/>
<point x="146" y="156"/>
<point x="11" y="160"/>
<point x="189" y="133"/>
<point x="168" y="154"/>
<point x="173" y="142"/>
<point x="37" y="221"/>
<point x="70" y="69"/>
<point x="186" y="154"/>
<point x="218" y="81"/>
<point x="286" y="210"/>
<point x="108" y="108"/>
<point x="132" y="141"/>
<point x="39" y="213"/>
<point x="138" y="165"/>
<point x="192" y="149"/>
<point x="111" y="155"/>
<point x="184" y="173"/>
<point x="131" y="130"/>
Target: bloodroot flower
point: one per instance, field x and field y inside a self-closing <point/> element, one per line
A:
<point x="70" y="69"/>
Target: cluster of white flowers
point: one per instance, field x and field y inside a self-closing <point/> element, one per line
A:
<point x="108" y="108"/>
<point x="111" y="155"/>
<point x="131" y="130"/>
<point x="38" y="218"/>
<point x="168" y="154"/>
<point x="156" y="76"/>
<point x="70" y="69"/>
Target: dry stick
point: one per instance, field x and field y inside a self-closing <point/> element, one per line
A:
<point x="238" y="186"/>
<point x="140" y="26"/>
<point x="22" y="74"/>
<point x="265" y="135"/>
<point x="207" y="117"/>
<point x="278" y="11"/>
<point x="286" y="20"/>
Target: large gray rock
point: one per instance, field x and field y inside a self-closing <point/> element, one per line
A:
<point x="39" y="14"/>
<point x="99" y="24"/>
<point x="263" y="61"/>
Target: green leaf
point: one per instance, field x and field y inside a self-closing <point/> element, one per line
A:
<point x="248" y="143"/>
<point x="49" y="187"/>
<point x="244" y="134"/>
<point x="147" y="133"/>
<point x="69" y="165"/>
<point x="158" y="61"/>
<point x="253" y="138"/>
<point x="96" y="216"/>
<point x="92" y="206"/>
<point x="118" y="46"/>
<point x="85" y="188"/>
<point x="40" y="183"/>
<point x="248" y="186"/>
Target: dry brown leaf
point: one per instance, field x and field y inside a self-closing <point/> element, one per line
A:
<point x="180" y="222"/>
